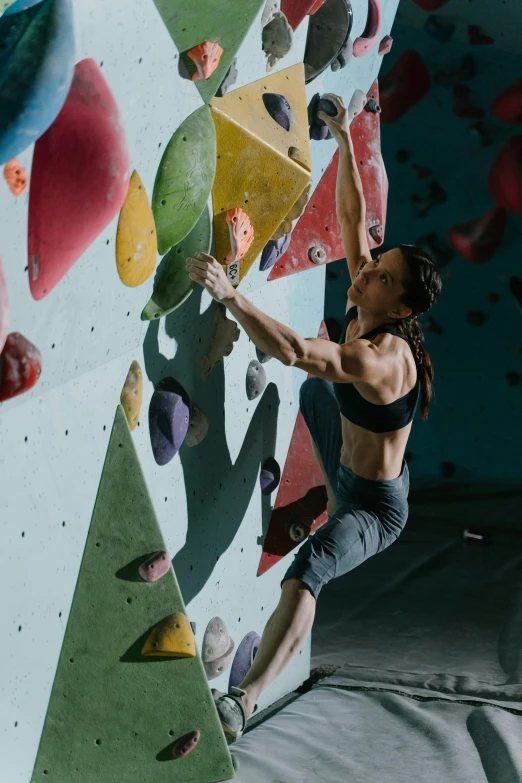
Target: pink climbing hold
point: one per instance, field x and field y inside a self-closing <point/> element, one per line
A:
<point x="507" y="107"/>
<point x="206" y="57"/>
<point x="20" y="366"/>
<point x="403" y="86"/>
<point x="462" y="105"/>
<point x="478" y="239"/>
<point x="16" y="177"/>
<point x="4" y="309"/>
<point x="185" y="744"/>
<point x="385" y="45"/>
<point x="155" y="567"/>
<point x="505" y="177"/>
<point x="476" y="38"/>
<point x="79" y="179"/>
<point x="368" y="39"/>
<point x="430" y="5"/>
<point x="241" y="234"/>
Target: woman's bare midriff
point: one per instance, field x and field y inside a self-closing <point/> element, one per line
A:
<point x="378" y="456"/>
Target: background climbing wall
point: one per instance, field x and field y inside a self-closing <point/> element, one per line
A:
<point x="474" y="431"/>
<point x="54" y="437"/>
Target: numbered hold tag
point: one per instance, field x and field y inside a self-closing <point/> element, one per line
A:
<point x="233" y="272"/>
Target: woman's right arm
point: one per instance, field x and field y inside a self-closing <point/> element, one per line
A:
<point x="350" y="204"/>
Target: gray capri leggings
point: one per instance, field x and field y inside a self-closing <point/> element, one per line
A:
<point x="369" y="516"/>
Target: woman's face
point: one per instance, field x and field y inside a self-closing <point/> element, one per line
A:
<point x="378" y="286"/>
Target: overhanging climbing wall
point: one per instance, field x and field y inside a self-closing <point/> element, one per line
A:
<point x="117" y="119"/>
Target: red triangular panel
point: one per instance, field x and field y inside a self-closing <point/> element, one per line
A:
<point x="318" y="226"/>
<point x="301" y="495"/>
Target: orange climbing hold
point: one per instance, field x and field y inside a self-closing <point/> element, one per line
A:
<point x="206" y="57"/>
<point x="16" y="177"/>
<point x="241" y="234"/>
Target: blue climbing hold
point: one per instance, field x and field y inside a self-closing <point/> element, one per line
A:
<point x="36" y="70"/>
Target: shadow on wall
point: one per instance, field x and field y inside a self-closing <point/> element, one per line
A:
<point x="218" y="492"/>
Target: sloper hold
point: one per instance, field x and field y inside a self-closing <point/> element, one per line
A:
<point x="255" y="379"/>
<point x="215" y="668"/>
<point x="505" y="177"/>
<point x="253" y="159"/>
<point x="184" y="178"/>
<point x="5" y="312"/>
<point x="206" y="57"/>
<point x="171" y="638"/>
<point x="318" y="227"/>
<point x="185" y="744"/>
<point x="36" y="70"/>
<point x="20" y="366"/>
<point x="478" y="239"/>
<point x="104" y="636"/>
<point x="301" y="494"/>
<point x="136" y="241"/>
<point x="328" y="30"/>
<point x="168" y="419"/>
<point x="243" y="659"/>
<point x="16" y="177"/>
<point x="172" y="285"/>
<point x="279" y="109"/>
<point x="222" y="343"/>
<point x="241" y="233"/>
<point x="191" y="23"/>
<point x="276" y="38"/>
<point x="132" y="394"/>
<point x="198" y="425"/>
<point x="216" y="640"/>
<point x="405" y="84"/>
<point x="507" y="107"/>
<point x="368" y="39"/>
<point x="318" y="127"/>
<point x="155" y="566"/>
<point x="295" y="213"/>
<point x="79" y="179"/>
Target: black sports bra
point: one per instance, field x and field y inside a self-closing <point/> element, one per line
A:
<point x="376" y="418"/>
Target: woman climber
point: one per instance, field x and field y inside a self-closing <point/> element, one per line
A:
<point x="359" y="408"/>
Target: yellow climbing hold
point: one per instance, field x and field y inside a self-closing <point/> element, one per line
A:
<point x="172" y="638"/>
<point x="254" y="168"/>
<point x="136" y="241"/>
<point x="132" y="394"/>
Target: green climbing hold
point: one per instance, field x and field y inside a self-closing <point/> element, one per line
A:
<point x="173" y="286"/>
<point x="184" y="179"/>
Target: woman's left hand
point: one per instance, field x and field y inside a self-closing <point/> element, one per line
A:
<point x="206" y="271"/>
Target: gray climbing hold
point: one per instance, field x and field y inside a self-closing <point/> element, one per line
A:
<point x="198" y="425"/>
<point x="279" y="109"/>
<point x="255" y="379"/>
<point x="215" y="668"/>
<point x="298" y="532"/>
<point x="216" y="640"/>
<point x="317" y="255"/>
<point x="357" y="104"/>
<point x="277" y="38"/>
<point x="262" y="357"/>
<point x="344" y="56"/>
<point x="229" y="80"/>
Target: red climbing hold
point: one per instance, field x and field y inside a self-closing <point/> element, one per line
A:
<point x="16" y="177"/>
<point x="301" y="499"/>
<point x="4" y="309"/>
<point x="20" y="366"/>
<point x="507" y="107"/>
<point x="368" y="38"/>
<point x="296" y="10"/>
<point x="430" y="5"/>
<point x="385" y="45"/>
<point x="478" y="239"/>
<point x="476" y="38"/>
<point x="206" y="57"/>
<point x="462" y="105"/>
<point x="185" y="744"/>
<point x="505" y="177"/>
<point x="79" y="179"/>
<point x="403" y="86"/>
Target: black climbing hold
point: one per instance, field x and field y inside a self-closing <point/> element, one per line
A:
<point x="463" y="73"/>
<point x="513" y="378"/>
<point x="447" y="469"/>
<point x="372" y="106"/>
<point x="279" y="109"/>
<point x="318" y="128"/>
<point x="402" y="156"/>
<point x="262" y="357"/>
<point x="438" y="29"/>
<point x="328" y="33"/>
<point x="423" y="203"/>
<point x="476" y="318"/>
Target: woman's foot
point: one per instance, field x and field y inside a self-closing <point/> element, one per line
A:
<point x="234" y="709"/>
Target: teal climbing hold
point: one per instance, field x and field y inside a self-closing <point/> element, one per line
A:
<point x="172" y="285"/>
<point x="36" y="70"/>
<point x="184" y="179"/>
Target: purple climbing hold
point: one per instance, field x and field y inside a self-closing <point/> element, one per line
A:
<point x="168" y="419"/>
<point x="273" y="251"/>
<point x="318" y="128"/>
<point x="185" y="744"/>
<point x="244" y="658"/>
<point x="279" y="109"/>
<point x="270" y="476"/>
<point x="155" y="567"/>
<point x="437" y="29"/>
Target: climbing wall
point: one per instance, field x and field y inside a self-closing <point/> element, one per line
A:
<point x="451" y="140"/>
<point x="136" y="417"/>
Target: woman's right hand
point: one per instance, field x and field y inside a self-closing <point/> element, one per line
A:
<point x="339" y="126"/>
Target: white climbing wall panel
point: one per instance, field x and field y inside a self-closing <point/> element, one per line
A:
<point x="53" y="439"/>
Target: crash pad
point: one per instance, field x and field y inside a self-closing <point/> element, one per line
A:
<point x="114" y="714"/>
<point x="36" y="70"/>
<point x="71" y="201"/>
<point x="184" y="178"/>
<point x="136" y="242"/>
